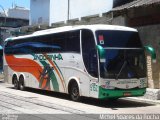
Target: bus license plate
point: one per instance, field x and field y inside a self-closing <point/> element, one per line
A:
<point x="126" y="94"/>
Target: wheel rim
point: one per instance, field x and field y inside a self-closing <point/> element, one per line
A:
<point x="16" y="83"/>
<point x="75" y="92"/>
<point x="21" y="83"/>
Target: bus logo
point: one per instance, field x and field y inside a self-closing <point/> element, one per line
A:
<point x="52" y="57"/>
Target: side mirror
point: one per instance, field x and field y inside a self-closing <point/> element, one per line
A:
<point x="101" y="52"/>
<point x="152" y="52"/>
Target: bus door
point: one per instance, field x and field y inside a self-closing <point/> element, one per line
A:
<point x="90" y="60"/>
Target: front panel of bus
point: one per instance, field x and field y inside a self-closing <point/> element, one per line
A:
<point x="122" y="64"/>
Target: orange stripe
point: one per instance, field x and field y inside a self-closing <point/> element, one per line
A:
<point x="24" y="65"/>
<point x="44" y="83"/>
<point x="50" y="61"/>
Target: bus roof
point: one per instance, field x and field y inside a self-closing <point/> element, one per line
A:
<point x="77" y="27"/>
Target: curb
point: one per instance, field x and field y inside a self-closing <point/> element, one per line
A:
<point x="142" y="100"/>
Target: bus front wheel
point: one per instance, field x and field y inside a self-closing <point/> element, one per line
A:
<point x="74" y="92"/>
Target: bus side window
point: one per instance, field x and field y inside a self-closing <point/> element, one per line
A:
<point x="89" y="53"/>
<point x="73" y="41"/>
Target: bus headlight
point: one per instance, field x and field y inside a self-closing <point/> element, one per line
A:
<point x="143" y="83"/>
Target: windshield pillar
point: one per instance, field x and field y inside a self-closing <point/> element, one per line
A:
<point x="89" y="53"/>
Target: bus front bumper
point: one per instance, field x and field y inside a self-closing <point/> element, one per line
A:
<point x="107" y="93"/>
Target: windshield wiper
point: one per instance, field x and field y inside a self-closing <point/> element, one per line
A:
<point x="124" y="64"/>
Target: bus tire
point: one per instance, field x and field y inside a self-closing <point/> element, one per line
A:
<point x="15" y="82"/>
<point x="74" y="92"/>
<point x="21" y="83"/>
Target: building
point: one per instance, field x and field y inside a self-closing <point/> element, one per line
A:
<point x="18" y="12"/>
<point x="14" y="18"/>
<point x="39" y="12"/>
<point x="9" y="22"/>
<point x="144" y="15"/>
<point x="53" y="11"/>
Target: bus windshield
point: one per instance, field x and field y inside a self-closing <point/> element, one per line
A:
<point x="120" y="39"/>
<point x="124" y="55"/>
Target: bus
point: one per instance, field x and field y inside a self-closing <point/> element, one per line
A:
<point x="97" y="61"/>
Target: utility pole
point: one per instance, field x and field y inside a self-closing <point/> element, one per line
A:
<point x="68" y="9"/>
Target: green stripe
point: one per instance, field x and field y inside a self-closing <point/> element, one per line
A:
<point x="59" y="69"/>
<point x="41" y="80"/>
<point x="52" y="78"/>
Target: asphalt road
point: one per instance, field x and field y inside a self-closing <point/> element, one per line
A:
<point x="45" y="105"/>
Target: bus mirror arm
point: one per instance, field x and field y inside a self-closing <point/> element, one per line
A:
<point x="101" y="51"/>
<point x="152" y="52"/>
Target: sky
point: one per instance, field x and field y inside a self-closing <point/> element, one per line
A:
<point x="9" y="3"/>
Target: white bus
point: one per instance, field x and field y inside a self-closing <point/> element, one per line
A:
<point x="98" y="61"/>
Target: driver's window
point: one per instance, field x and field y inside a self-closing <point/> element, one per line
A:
<point x="89" y="53"/>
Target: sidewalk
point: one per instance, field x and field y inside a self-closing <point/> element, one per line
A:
<point x="144" y="100"/>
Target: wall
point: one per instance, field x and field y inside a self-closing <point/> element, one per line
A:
<point x="39" y="11"/>
<point x="150" y="35"/>
<point x="106" y="18"/>
<point x="147" y="21"/>
<point x="77" y="9"/>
